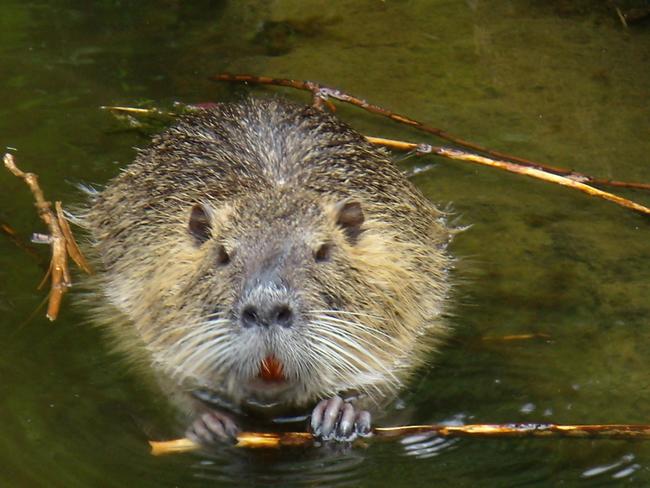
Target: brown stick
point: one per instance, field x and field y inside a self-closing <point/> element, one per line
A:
<point x="60" y="239"/>
<point x="323" y="92"/>
<point x="137" y="111"/>
<point x="21" y="243"/>
<point x="517" y="337"/>
<point x="275" y="440"/>
<point x="633" y="15"/>
<point x="71" y="244"/>
<point x="511" y="167"/>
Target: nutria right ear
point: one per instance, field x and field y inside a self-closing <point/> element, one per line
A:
<point x="350" y="218"/>
<point x="200" y="226"/>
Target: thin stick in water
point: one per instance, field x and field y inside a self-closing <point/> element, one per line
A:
<point x="540" y="174"/>
<point x="289" y="439"/>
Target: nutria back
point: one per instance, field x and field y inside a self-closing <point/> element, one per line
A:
<point x="264" y="251"/>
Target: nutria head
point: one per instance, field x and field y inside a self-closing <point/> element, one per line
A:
<point x="267" y="252"/>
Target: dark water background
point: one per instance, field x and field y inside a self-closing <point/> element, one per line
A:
<point x="559" y="81"/>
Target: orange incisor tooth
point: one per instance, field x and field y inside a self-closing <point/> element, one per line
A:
<point x="271" y="369"/>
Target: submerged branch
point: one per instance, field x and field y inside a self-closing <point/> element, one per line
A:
<point x="288" y="439"/>
<point x="13" y="235"/>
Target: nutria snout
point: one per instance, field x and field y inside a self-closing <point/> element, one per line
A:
<point x="264" y="253"/>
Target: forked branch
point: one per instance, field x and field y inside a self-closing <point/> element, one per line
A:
<point x="60" y="239"/>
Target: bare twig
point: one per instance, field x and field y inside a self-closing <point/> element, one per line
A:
<point x="517" y="337"/>
<point x="71" y="244"/>
<point x="621" y="17"/>
<point x="323" y="92"/>
<point x="11" y="233"/>
<point x="633" y="15"/>
<point x="61" y="239"/>
<point x="275" y="440"/>
<point x="452" y="153"/>
<point x="137" y="111"/>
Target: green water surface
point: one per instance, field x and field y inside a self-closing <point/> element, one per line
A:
<point x="564" y="82"/>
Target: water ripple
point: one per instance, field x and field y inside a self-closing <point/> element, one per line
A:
<point x="622" y="468"/>
<point x="331" y="466"/>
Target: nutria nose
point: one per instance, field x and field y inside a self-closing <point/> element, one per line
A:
<point x="275" y="314"/>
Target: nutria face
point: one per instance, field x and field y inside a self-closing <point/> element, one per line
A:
<point x="279" y="306"/>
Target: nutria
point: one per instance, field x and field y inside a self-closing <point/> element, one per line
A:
<point x="265" y="254"/>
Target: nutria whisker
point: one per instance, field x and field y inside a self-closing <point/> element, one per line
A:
<point x="343" y="374"/>
<point x="331" y="316"/>
<point x="186" y="354"/>
<point x="364" y="358"/>
<point x="337" y="331"/>
<point x="356" y="325"/>
<point x="197" y="329"/>
<point x="215" y="315"/>
<point x="345" y="312"/>
<point x="366" y="339"/>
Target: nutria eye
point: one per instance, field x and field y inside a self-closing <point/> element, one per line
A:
<point x="223" y="257"/>
<point x="199" y="226"/>
<point x="323" y="253"/>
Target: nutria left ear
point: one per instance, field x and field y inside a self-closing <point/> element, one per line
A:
<point x="199" y="225"/>
<point x="350" y="218"/>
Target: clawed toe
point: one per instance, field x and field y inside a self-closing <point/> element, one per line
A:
<point x="334" y="419"/>
<point x="212" y="427"/>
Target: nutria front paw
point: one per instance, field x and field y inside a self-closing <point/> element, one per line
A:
<point x="212" y="427"/>
<point x="334" y="419"/>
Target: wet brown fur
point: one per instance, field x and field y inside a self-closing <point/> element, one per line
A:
<point x="273" y="175"/>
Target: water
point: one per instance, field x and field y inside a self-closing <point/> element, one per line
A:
<point x="560" y="82"/>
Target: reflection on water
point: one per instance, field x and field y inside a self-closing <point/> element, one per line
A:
<point x="426" y="445"/>
<point x="563" y="82"/>
<point x="620" y="469"/>
<point x="330" y="465"/>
